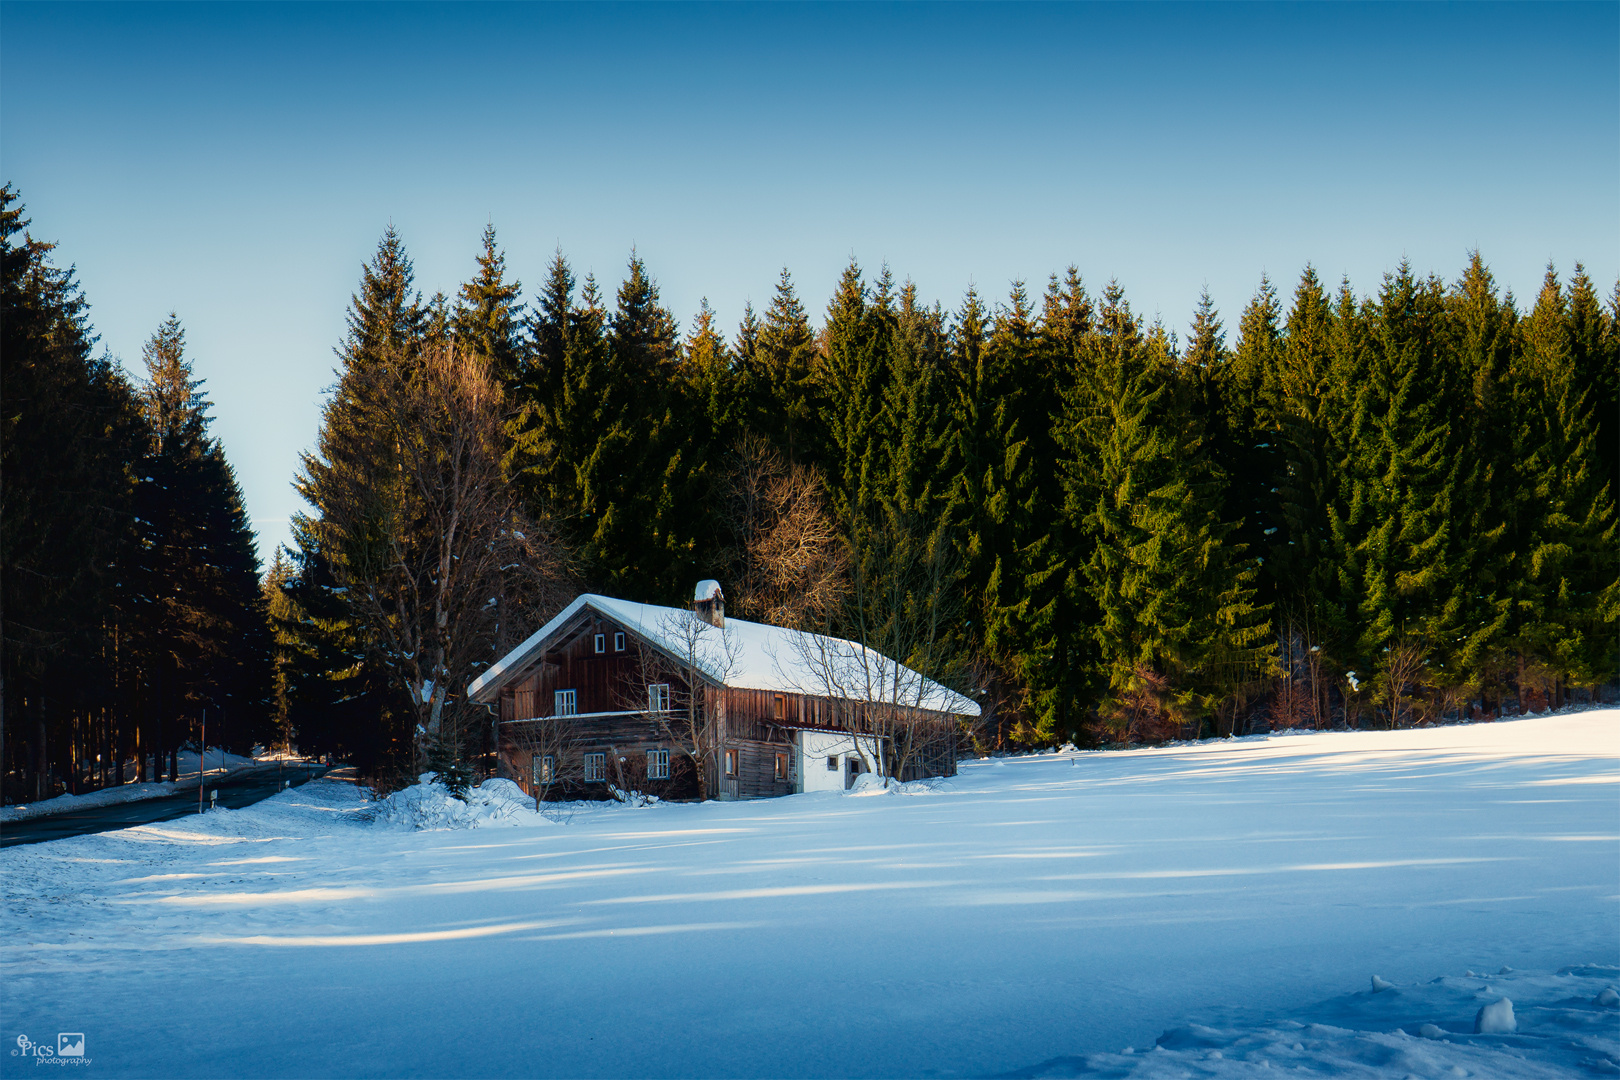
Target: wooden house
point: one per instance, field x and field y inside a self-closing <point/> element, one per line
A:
<point x="642" y="698"/>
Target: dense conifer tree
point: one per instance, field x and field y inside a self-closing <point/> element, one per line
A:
<point x="710" y="374"/>
<point x="1401" y="478"/>
<point x="1054" y="653"/>
<point x="855" y="373"/>
<point x="488" y="316"/>
<point x="1569" y="600"/>
<point x="1247" y="439"/>
<point x="778" y="366"/>
<point x="70" y="438"/>
<point x="340" y="696"/>
<point x="1178" y="625"/>
<point x="534" y="461"/>
<point x="204" y="620"/>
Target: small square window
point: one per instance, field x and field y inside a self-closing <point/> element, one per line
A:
<point x="601" y="643"/>
<point x="545" y="769"/>
<point x="658" y="697"/>
<point x="595" y="767"/>
<point x="731" y="763"/>
<point x="564" y="703"/>
<point x="832" y="763"/>
<point x="658" y="764"/>
<point x="618" y="642"/>
<point x="781" y="766"/>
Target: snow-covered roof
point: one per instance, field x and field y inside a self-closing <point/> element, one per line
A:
<point x="745" y="655"/>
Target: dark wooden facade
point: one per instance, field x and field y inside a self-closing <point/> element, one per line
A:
<point x="609" y="669"/>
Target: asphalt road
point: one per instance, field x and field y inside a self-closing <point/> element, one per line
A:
<point x="242" y="789"/>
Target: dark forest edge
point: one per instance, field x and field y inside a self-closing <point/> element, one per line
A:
<point x="1388" y="509"/>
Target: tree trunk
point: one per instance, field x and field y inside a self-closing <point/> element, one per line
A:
<point x="73" y="755"/>
<point x="42" y="759"/>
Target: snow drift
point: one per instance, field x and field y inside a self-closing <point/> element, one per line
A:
<point x="428" y="804"/>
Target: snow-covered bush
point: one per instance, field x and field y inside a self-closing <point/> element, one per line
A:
<point x="632" y="798"/>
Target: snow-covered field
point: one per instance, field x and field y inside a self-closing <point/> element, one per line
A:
<point x="1034" y="916"/>
<point x="220" y="764"/>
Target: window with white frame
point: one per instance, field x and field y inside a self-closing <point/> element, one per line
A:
<point x="595" y="767"/>
<point x="618" y="641"/>
<point x="658" y="697"/>
<point x="564" y="703"/>
<point x="545" y="769"/>
<point x="601" y="643"/>
<point x="832" y="762"/>
<point x="658" y="764"/>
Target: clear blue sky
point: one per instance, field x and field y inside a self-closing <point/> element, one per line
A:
<point x="237" y="163"/>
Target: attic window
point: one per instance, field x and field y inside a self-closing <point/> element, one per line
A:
<point x="781" y="708"/>
<point x="601" y="643"/>
<point x="618" y="642"/>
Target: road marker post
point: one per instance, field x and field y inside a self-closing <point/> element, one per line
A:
<point x="202" y="755"/>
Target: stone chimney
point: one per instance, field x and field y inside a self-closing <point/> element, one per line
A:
<point x="709" y="603"/>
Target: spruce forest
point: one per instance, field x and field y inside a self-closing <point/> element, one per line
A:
<point x="1347" y="507"/>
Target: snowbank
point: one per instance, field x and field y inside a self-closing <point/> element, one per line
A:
<point x="133" y="792"/>
<point x="428" y="804"/>
<point x="1568" y="1027"/>
<point x="872" y="784"/>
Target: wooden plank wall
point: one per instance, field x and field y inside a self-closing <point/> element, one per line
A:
<point x="756" y="723"/>
<point x="610" y="681"/>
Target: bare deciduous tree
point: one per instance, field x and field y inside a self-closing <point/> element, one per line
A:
<point x="786" y="563"/>
<point x="433" y="551"/>
<point x="1299" y="698"/>
<point x="1397" y="681"/>
<point x="697" y="656"/>
<point x="554" y="737"/>
<point x="898" y="607"/>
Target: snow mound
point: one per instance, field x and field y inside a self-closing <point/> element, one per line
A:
<point x="1562" y="1030"/>
<point x="428" y="804"/>
<point x="872" y="784"/>
<point x="1495" y="1018"/>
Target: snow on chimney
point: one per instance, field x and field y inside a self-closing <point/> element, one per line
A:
<point x="709" y="603"/>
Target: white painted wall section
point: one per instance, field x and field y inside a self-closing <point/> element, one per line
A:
<point x="816" y="748"/>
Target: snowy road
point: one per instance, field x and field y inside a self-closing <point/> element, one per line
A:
<point x="1030" y="909"/>
<point x="239" y="789"/>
